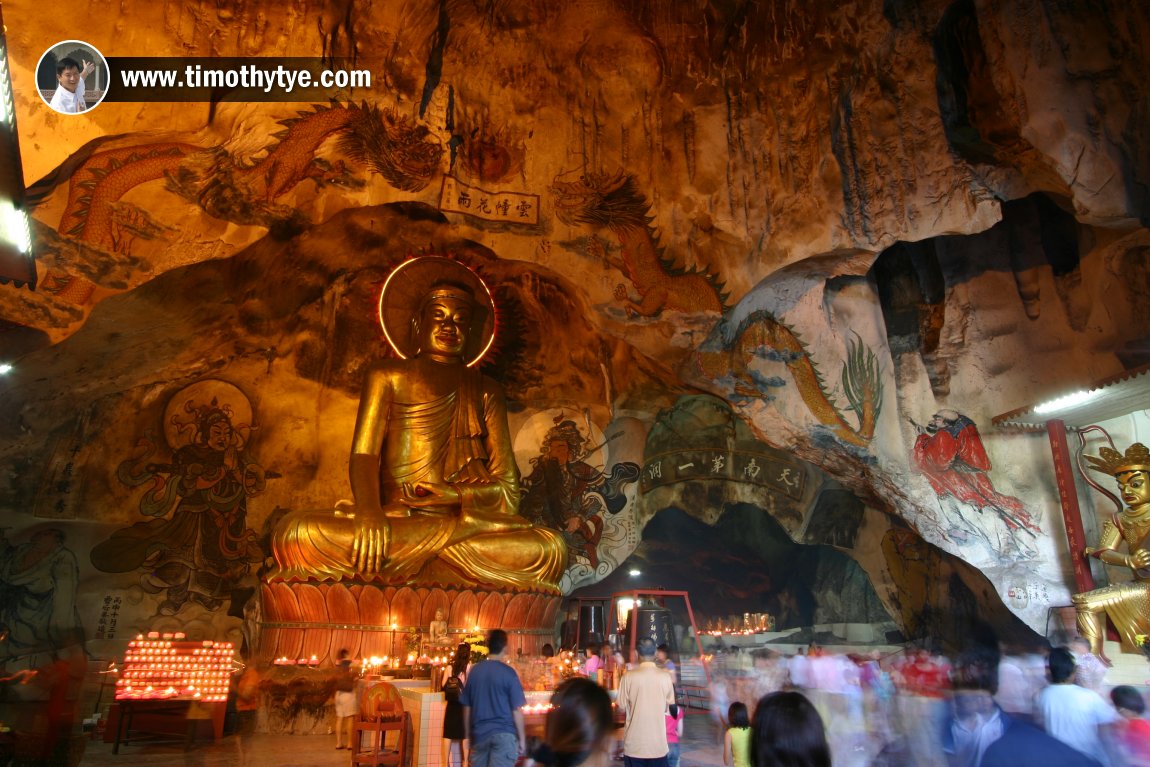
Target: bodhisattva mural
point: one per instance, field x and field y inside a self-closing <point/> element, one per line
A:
<point x="1127" y="605"/>
<point x="43" y="655"/>
<point x="196" y="546"/>
<point x="39" y="579"/>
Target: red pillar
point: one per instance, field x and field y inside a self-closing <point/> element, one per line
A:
<point x="1068" y="494"/>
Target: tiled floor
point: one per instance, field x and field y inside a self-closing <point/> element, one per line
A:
<point x="699" y="750"/>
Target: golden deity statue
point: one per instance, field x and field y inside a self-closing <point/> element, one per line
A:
<point x="432" y="471"/>
<point x="437" y="635"/>
<point x="1126" y="604"/>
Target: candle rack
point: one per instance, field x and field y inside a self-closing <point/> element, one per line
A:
<point x="171" y="669"/>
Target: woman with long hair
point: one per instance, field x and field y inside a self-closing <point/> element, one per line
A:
<point x="580" y="728"/>
<point x="454" y="677"/>
<point x="787" y="731"/>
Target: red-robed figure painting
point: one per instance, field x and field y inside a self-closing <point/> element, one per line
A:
<point x="949" y="451"/>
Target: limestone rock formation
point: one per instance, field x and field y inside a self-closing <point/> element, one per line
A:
<point x="839" y="221"/>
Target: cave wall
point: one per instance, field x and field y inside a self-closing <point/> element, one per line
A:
<point x="666" y="199"/>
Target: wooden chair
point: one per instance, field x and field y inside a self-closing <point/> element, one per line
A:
<point x="380" y="712"/>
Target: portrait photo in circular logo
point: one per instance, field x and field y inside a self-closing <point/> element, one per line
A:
<point x="72" y="77"/>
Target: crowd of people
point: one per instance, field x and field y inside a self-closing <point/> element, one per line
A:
<point x="914" y="708"/>
<point x="786" y="729"/>
<point x="917" y="708"/>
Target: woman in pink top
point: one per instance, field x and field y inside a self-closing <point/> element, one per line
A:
<point x="594" y="663"/>
<point x="674" y="720"/>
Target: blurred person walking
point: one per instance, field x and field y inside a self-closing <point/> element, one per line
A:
<point x="980" y="734"/>
<point x="1076" y="716"/>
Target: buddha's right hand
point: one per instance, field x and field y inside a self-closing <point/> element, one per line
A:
<point x="371" y="542"/>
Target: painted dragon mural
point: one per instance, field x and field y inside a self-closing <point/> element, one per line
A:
<point x="228" y="187"/>
<point x="615" y="202"/>
<point x="762" y="336"/>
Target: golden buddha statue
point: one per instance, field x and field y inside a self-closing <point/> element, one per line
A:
<point x="1126" y="604"/>
<point x="437" y="635"/>
<point x="432" y="471"/>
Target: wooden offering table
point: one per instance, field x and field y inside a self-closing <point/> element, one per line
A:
<point x="164" y="720"/>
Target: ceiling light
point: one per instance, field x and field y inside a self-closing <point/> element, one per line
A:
<point x="5" y="368"/>
<point x="7" y="108"/>
<point x="14" y="226"/>
<point x="635" y="572"/>
<point x="1067" y="401"/>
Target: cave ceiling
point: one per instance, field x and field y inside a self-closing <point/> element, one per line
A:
<point x="824" y="221"/>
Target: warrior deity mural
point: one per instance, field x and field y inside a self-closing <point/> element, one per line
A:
<point x="204" y="548"/>
<point x="949" y="451"/>
<point x="566" y="493"/>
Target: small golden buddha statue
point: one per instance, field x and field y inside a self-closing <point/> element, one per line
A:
<point x="1126" y="604"/>
<point x="437" y="631"/>
<point x="432" y="471"/>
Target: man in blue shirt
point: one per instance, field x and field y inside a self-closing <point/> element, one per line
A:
<point x="492" y="699"/>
